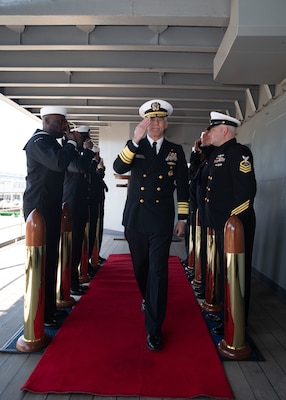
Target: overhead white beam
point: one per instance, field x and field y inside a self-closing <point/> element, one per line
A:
<point x="110" y="12"/>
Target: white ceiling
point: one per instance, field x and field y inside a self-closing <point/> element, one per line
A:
<point x="103" y="58"/>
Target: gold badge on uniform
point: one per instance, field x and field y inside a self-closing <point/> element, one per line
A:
<point x="245" y="165"/>
<point x="155" y="106"/>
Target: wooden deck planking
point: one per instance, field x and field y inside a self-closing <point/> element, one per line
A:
<point x="249" y="380"/>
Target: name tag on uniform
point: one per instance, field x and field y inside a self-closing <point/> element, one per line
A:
<point x="139" y="156"/>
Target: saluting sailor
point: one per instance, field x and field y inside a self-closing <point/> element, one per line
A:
<point x="47" y="161"/>
<point x="231" y="189"/>
<point x="148" y="217"/>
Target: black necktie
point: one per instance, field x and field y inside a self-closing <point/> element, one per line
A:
<point x="154" y="144"/>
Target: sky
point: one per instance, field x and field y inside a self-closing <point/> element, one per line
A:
<point x="17" y="126"/>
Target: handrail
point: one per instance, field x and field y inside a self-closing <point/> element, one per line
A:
<point x="12" y="227"/>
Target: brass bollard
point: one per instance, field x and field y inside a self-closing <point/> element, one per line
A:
<point x="212" y="295"/>
<point x="198" y="277"/>
<point x="65" y="258"/>
<point x="34" y="338"/>
<point x="233" y="345"/>
<point x="83" y="266"/>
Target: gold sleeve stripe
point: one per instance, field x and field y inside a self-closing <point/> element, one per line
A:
<point x="183" y="207"/>
<point x="242" y="207"/>
<point x="126" y="155"/>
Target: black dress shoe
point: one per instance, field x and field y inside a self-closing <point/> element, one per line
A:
<point x="190" y="273"/>
<point x="143" y="306"/>
<point x="77" y="292"/>
<point x="219" y="330"/>
<point x="61" y="313"/>
<point x="214" y="317"/>
<point x="153" y="343"/>
<point x="101" y="260"/>
<point x="51" y="323"/>
<point x="184" y="262"/>
<point x="84" y="287"/>
<point x="92" y="271"/>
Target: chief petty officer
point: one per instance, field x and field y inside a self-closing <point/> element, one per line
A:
<point x="148" y="217"/>
<point x="231" y="188"/>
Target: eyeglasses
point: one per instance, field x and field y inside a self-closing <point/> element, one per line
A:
<point x="157" y="119"/>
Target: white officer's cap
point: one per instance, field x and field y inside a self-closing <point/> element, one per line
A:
<point x="156" y="108"/>
<point x="219" y="119"/>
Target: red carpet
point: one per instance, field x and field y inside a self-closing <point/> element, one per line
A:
<point x="101" y="348"/>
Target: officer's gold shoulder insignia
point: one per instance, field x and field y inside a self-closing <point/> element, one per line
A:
<point x="245" y="165"/>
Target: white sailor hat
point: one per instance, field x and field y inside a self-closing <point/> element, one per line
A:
<point x="156" y="108"/>
<point x="53" y="110"/>
<point x="84" y="129"/>
<point x="219" y="119"/>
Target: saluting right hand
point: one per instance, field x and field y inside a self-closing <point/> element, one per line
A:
<point x="140" y="130"/>
<point x="88" y="144"/>
<point x="197" y="145"/>
<point x="70" y="135"/>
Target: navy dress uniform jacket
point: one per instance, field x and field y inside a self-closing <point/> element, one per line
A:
<point x="231" y="185"/>
<point x="150" y="199"/>
<point x="76" y="185"/>
<point x="46" y="164"/>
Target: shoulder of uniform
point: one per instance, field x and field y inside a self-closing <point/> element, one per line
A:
<point x="245" y="148"/>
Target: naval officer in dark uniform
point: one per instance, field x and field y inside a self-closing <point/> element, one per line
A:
<point x="231" y="188"/>
<point x="156" y="171"/>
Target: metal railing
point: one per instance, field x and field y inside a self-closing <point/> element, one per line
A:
<point x="12" y="226"/>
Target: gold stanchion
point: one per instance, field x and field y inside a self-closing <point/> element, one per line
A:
<point x="65" y="258"/>
<point x="34" y="338"/>
<point x="233" y="345"/>
<point x="191" y="255"/>
<point x="83" y="266"/>
<point x="95" y="249"/>
<point x="198" y="274"/>
<point x="212" y="295"/>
